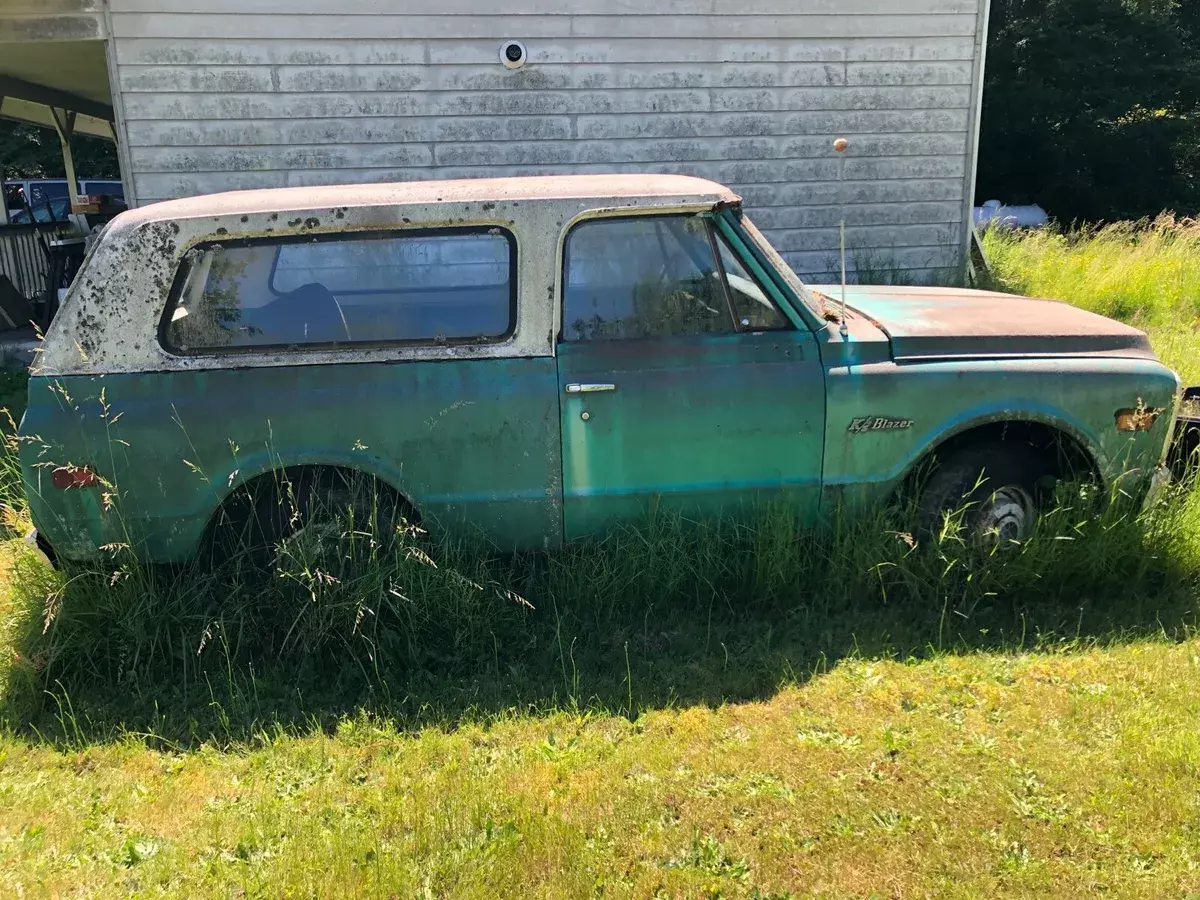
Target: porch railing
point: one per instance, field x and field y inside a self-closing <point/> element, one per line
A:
<point x="25" y="256"/>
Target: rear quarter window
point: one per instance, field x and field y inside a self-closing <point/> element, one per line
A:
<point x="439" y="287"/>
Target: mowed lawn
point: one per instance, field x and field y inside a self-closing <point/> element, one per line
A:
<point x="1061" y="758"/>
<point x="1066" y="774"/>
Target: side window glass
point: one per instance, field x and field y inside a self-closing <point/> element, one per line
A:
<point x="644" y="277"/>
<point x="433" y="288"/>
<point x="752" y="307"/>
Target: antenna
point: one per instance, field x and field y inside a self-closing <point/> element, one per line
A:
<point x="840" y="146"/>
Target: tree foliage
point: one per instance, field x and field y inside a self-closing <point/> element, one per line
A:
<point x="27" y="151"/>
<point x="1092" y="107"/>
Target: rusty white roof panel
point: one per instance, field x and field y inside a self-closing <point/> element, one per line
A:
<point x="665" y="190"/>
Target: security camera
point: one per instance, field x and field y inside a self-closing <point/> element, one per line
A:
<point x="512" y="54"/>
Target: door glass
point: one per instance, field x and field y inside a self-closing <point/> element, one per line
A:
<point x="644" y="277"/>
<point x="752" y="307"/>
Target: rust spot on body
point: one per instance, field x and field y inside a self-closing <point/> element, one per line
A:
<point x="1138" y="418"/>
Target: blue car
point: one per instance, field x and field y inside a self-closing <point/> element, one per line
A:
<point x="56" y="210"/>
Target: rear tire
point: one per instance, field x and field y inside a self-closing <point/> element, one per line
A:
<point x="273" y="511"/>
<point x="342" y="501"/>
<point x="1000" y="488"/>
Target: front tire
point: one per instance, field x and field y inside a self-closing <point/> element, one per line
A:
<point x="1000" y="490"/>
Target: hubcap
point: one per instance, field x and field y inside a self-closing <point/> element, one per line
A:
<point x="1006" y="516"/>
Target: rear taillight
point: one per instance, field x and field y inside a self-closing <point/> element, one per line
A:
<point x="67" y="477"/>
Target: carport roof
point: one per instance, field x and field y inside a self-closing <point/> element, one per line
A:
<point x="73" y="75"/>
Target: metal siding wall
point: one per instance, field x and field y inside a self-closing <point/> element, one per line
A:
<point x="223" y="94"/>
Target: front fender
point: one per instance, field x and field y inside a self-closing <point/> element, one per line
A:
<point x="919" y="406"/>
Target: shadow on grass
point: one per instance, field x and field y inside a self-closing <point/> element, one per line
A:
<point x="670" y="613"/>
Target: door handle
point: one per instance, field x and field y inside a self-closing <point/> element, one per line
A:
<point x="589" y="388"/>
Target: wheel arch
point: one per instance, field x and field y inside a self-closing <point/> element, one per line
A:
<point x="1073" y="453"/>
<point x="248" y="478"/>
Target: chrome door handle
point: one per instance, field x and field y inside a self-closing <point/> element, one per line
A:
<point x="589" y="388"/>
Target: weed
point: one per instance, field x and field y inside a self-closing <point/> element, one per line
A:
<point x="707" y="855"/>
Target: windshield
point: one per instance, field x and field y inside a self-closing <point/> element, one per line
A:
<point x="815" y="305"/>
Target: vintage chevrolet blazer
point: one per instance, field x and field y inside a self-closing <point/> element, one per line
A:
<point x="538" y="359"/>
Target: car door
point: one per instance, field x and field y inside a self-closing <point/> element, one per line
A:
<point x="682" y="384"/>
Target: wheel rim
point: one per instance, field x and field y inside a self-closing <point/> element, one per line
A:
<point x="1006" y="517"/>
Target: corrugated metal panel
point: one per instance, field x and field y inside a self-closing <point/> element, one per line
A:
<point x="222" y="94"/>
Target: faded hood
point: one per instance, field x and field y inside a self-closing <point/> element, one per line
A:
<point x="927" y="323"/>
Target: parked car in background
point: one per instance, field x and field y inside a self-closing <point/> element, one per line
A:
<point x="539" y="359"/>
<point x="48" y="200"/>
<point x="57" y="210"/>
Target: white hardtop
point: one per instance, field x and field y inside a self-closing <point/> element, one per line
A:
<point x="653" y="190"/>
<point x="110" y="319"/>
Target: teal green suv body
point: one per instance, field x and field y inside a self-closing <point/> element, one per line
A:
<point x="537" y="360"/>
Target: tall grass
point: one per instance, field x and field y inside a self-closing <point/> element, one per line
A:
<point x="670" y="611"/>
<point x="1144" y="273"/>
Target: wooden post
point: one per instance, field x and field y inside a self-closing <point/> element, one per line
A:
<point x="64" y="123"/>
